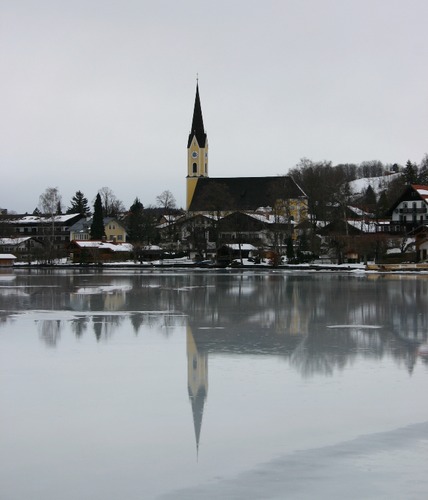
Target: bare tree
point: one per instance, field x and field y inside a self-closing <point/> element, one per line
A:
<point x="166" y="201"/>
<point x="49" y="201"/>
<point x="112" y="206"/>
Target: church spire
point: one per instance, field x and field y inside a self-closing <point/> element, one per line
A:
<point x="197" y="150"/>
<point x="197" y="129"/>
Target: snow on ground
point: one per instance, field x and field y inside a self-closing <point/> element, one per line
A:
<point x="377" y="183"/>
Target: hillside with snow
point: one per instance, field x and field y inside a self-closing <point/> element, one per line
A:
<point x="378" y="184"/>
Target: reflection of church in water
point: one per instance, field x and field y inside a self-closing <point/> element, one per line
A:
<point x="197" y="382"/>
<point x="318" y="331"/>
<point x="316" y="325"/>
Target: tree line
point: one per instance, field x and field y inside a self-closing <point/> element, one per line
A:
<point x="328" y="186"/>
<point x="140" y="221"/>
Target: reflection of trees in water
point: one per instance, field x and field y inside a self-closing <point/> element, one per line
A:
<point x="49" y="331"/>
<point x="105" y="325"/>
<point x="80" y="325"/>
<point x="137" y="321"/>
<point x="5" y="318"/>
<point x="249" y="310"/>
<point x="333" y="349"/>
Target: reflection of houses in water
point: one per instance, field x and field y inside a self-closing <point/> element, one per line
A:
<point x="109" y="297"/>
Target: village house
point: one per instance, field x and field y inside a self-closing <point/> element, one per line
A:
<point x="53" y="232"/>
<point x="7" y="259"/>
<point x="113" y="229"/>
<point x="85" y="252"/>
<point x="24" y="248"/>
<point x="410" y="210"/>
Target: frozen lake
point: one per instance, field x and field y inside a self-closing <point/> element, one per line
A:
<point x="123" y="384"/>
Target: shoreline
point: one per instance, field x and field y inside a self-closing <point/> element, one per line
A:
<point x="368" y="268"/>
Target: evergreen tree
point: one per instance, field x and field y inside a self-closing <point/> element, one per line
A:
<point x="382" y="205"/>
<point x="97" y="226"/>
<point x="79" y="205"/>
<point x="423" y="170"/>
<point x="410" y="173"/>
<point x="369" y="199"/>
<point x="136" y="222"/>
<point x="290" y="248"/>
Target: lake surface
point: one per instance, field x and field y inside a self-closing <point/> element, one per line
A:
<point x="202" y="385"/>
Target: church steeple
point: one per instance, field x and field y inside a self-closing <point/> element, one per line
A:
<point x="197" y="149"/>
<point x="197" y="129"/>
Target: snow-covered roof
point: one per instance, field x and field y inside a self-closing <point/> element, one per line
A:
<point x="242" y="246"/>
<point x="7" y="256"/>
<point x="120" y="247"/>
<point x="421" y="190"/>
<point x="366" y="227"/>
<point x="13" y="241"/>
<point x="37" y="219"/>
<point x="152" y="247"/>
<point x="104" y="245"/>
<point x="88" y="244"/>
<point x="358" y="211"/>
<point x="269" y="218"/>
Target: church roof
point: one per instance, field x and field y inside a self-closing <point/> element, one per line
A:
<point x="197" y="129"/>
<point x="242" y="193"/>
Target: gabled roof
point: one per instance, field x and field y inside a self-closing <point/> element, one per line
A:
<point x="193" y="217"/>
<point x="419" y="189"/>
<point x="351" y="227"/>
<point x="242" y="193"/>
<point x="197" y="129"/>
<point x="241" y="220"/>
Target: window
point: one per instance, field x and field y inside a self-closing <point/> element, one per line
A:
<point x="195" y="168"/>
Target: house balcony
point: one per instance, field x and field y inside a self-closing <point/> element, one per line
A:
<point x="422" y="210"/>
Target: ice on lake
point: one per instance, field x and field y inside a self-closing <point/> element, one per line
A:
<point x="116" y="384"/>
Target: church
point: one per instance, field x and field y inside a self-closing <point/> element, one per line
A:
<point x="263" y="195"/>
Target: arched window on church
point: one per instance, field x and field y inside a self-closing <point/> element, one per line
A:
<point x="195" y="168"/>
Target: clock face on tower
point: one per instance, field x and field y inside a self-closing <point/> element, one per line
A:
<point x="194" y="154"/>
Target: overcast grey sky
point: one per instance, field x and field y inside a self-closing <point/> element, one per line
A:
<point x="100" y="93"/>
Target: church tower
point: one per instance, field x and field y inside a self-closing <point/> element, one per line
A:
<point x="197" y="150"/>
